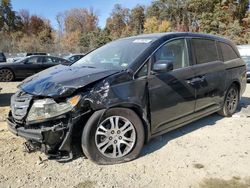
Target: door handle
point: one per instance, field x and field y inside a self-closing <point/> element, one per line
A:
<point x="196" y="80"/>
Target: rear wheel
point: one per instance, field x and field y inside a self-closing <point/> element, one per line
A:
<point x="6" y="75"/>
<point x="231" y="102"/>
<point x="117" y="138"/>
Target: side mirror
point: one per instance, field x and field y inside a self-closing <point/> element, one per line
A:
<point x="163" y="66"/>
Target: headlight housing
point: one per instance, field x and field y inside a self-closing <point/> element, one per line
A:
<point x="48" y="108"/>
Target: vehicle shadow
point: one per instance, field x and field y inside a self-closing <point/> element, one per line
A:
<point x="5" y="99"/>
<point x="160" y="141"/>
<point x="244" y="102"/>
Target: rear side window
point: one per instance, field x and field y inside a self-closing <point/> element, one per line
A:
<point x="228" y="52"/>
<point x="205" y="50"/>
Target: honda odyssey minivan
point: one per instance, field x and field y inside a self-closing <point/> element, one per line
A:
<point x="119" y="96"/>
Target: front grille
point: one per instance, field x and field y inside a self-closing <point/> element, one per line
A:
<point x="20" y="103"/>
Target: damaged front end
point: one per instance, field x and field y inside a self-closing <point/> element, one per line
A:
<point x="35" y="120"/>
<point x="50" y="104"/>
<point x="50" y="111"/>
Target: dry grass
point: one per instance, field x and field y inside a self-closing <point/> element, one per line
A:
<point x="221" y="183"/>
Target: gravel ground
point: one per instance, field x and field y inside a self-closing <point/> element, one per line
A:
<point x="213" y="152"/>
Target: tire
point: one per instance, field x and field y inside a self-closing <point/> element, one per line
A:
<point x="105" y="145"/>
<point x="6" y="75"/>
<point x="231" y="102"/>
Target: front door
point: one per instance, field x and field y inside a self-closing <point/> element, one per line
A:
<point x="29" y="66"/>
<point x="171" y="96"/>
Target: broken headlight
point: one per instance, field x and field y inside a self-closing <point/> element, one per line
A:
<point x="48" y="108"/>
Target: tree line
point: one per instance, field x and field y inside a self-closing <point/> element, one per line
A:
<point x="78" y="29"/>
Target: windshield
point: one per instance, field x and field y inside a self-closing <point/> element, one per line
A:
<point x="115" y="55"/>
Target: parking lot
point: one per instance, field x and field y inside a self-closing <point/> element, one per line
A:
<point x="211" y="152"/>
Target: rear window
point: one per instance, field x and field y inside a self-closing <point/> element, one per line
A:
<point x="228" y="52"/>
<point x="205" y="50"/>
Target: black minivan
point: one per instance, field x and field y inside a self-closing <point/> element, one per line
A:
<point x="119" y="96"/>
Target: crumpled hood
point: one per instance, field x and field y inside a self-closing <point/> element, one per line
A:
<point x="61" y="81"/>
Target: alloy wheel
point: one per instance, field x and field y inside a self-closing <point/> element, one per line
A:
<point x="6" y="75"/>
<point x="115" y="137"/>
<point x="232" y="100"/>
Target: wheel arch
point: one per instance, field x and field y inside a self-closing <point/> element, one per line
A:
<point x="135" y="108"/>
<point x="141" y="113"/>
<point x="237" y="84"/>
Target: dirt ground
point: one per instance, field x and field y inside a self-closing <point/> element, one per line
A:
<point x="213" y="152"/>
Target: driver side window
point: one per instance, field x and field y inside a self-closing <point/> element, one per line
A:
<point x="175" y="51"/>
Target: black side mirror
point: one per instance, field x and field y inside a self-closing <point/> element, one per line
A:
<point x="163" y="66"/>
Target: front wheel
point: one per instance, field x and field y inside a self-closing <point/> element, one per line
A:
<point x="231" y="102"/>
<point x="118" y="137"/>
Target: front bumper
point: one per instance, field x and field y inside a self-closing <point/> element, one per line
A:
<point x="28" y="134"/>
<point x="44" y="135"/>
<point x="54" y="138"/>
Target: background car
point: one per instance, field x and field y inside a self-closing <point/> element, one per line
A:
<point x="28" y="66"/>
<point x="245" y="54"/>
<point x="26" y="55"/>
<point x="2" y="57"/>
<point x="74" y="57"/>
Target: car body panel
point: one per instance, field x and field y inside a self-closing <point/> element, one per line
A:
<point x="24" y="67"/>
<point x="171" y="97"/>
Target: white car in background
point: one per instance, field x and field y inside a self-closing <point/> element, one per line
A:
<point x="245" y="54"/>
